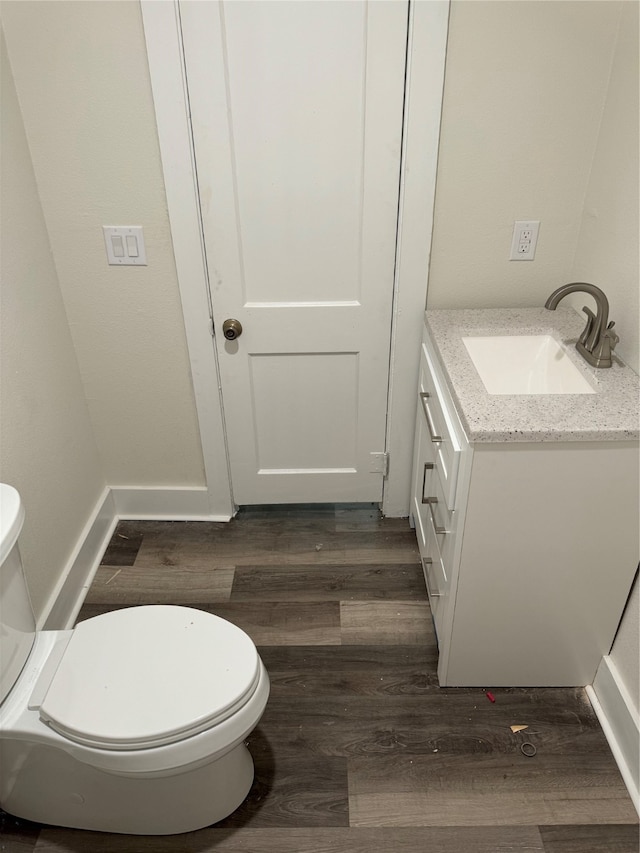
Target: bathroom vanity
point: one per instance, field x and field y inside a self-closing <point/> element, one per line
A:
<point x="525" y="505"/>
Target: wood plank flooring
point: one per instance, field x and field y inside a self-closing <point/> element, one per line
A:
<point x="359" y="748"/>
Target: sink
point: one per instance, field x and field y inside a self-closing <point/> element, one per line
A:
<point x="525" y="364"/>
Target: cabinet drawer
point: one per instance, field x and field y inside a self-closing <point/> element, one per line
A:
<point x="436" y="584"/>
<point x="435" y="573"/>
<point x="433" y="523"/>
<point x="429" y="504"/>
<point x="433" y="568"/>
<point x="435" y="410"/>
<point x="439" y="522"/>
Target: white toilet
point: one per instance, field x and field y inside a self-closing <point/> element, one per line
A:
<point x="132" y="722"/>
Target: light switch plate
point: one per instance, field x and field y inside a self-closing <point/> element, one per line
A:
<point x="125" y="245"/>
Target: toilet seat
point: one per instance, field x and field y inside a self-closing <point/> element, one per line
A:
<point x="143" y="677"/>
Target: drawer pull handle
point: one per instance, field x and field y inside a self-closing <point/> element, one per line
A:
<point x="428" y="466"/>
<point x="427" y="561"/>
<point x="431" y="503"/>
<point x="435" y="438"/>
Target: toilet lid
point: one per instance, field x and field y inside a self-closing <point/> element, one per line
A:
<point x="146" y="676"/>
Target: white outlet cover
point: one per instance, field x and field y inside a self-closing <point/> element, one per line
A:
<point x="125" y="245"/>
<point x="524" y="240"/>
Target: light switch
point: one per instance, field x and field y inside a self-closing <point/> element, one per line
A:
<point x="116" y="244"/>
<point x="132" y="246"/>
<point x="125" y="245"/>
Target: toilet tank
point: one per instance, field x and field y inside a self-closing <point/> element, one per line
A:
<point x="17" y="623"/>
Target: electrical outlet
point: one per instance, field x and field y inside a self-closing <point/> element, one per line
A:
<point x="524" y="240"/>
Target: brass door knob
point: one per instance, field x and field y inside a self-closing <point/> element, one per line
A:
<point x="231" y="329"/>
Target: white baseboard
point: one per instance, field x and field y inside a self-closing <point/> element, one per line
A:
<point x="62" y="608"/>
<point x="116" y="504"/>
<point x="619" y="720"/>
<point x="166" y="504"/>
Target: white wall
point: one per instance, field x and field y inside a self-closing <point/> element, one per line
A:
<point x="626" y="648"/>
<point x="525" y="85"/>
<point x="47" y="448"/>
<point x="608" y="253"/>
<point x="83" y="85"/>
<point x="607" y="249"/>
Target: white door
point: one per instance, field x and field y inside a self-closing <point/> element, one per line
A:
<point x="296" y="109"/>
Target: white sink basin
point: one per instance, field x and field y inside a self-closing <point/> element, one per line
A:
<point x="525" y="364"/>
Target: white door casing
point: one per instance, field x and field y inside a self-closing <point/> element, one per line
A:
<point x="428" y="23"/>
<point x="296" y="110"/>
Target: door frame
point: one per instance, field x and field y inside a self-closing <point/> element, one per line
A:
<point x="427" y="40"/>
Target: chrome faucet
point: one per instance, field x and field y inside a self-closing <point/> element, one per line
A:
<point x="598" y="340"/>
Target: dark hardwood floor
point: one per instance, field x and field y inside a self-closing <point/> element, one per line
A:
<point x="359" y="749"/>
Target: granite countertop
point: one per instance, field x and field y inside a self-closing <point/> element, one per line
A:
<point x="611" y="414"/>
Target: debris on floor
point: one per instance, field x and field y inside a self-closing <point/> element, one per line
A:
<point x="115" y="575"/>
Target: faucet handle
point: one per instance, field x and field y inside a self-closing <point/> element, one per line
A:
<point x="611" y="336"/>
<point x="605" y="347"/>
<point x="588" y="329"/>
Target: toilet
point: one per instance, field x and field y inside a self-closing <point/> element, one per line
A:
<point x="134" y="722"/>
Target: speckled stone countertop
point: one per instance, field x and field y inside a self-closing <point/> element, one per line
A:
<point x="611" y="414"/>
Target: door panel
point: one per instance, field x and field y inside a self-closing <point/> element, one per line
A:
<point x="304" y="433"/>
<point x="298" y="142"/>
<point x="296" y="111"/>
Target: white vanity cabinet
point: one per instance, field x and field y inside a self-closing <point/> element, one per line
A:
<point x="529" y="548"/>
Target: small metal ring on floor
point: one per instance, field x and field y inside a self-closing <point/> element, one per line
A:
<point x="528" y="749"/>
